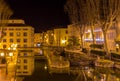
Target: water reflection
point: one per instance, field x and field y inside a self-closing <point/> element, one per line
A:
<point x="43" y="72"/>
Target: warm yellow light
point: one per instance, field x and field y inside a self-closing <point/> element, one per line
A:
<point x="14" y="48"/>
<point x="2" y="54"/>
<point x="52" y="34"/>
<point x="11" y="54"/>
<point x="63" y="41"/>
<point x="8" y="48"/>
<point x="89" y="30"/>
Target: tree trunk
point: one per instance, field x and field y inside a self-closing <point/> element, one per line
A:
<point x="105" y="42"/>
<point x="93" y="34"/>
<point x="81" y="36"/>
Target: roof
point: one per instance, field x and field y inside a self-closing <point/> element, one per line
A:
<point x="17" y="24"/>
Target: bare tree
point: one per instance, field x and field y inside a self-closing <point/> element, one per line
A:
<point x="109" y="10"/>
<point x="5" y="13"/>
<point x="75" y="12"/>
<point x="92" y="11"/>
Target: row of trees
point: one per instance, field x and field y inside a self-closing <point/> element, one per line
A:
<point x="5" y="13"/>
<point x="93" y="12"/>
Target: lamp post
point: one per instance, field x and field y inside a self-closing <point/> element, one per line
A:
<point x="4" y="60"/>
<point x="11" y="54"/>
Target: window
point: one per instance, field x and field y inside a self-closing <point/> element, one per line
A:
<point x="18" y="45"/>
<point x="19" y="54"/>
<point x="25" y="67"/>
<point x="18" y="33"/>
<point x="4" y="33"/>
<point x="25" y="29"/>
<point x="18" y="29"/>
<point x="18" y="61"/>
<point x="25" y="72"/>
<point x="11" y="40"/>
<point x="4" y="40"/>
<point x="18" y="40"/>
<point x="25" y="34"/>
<point x="4" y="46"/>
<point x="25" y="54"/>
<point x="11" y="33"/>
<point x="25" y="60"/>
<point x="11" y="29"/>
<point x="18" y="67"/>
<point x="66" y="32"/>
<point x="25" y="45"/>
<point x="25" y="40"/>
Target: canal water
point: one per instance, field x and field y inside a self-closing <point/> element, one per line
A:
<point x="75" y="73"/>
<point x="43" y="73"/>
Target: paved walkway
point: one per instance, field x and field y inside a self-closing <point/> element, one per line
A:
<point x="10" y="72"/>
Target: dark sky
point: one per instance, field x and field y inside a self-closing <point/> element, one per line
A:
<point x="41" y="14"/>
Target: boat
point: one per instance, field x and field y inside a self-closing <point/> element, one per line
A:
<point x="59" y="62"/>
<point x="104" y="63"/>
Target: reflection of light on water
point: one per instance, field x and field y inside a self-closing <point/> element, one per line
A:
<point x="45" y="67"/>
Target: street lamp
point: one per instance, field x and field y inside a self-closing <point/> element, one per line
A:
<point x="63" y="42"/>
<point x="2" y="54"/>
<point x="11" y="54"/>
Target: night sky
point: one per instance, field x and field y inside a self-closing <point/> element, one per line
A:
<point x="41" y="14"/>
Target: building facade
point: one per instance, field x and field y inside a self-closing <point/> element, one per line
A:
<point x="99" y="38"/>
<point x="16" y="32"/>
<point x="38" y="39"/>
<point x="60" y="37"/>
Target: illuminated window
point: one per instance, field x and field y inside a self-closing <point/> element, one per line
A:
<point x="18" y="61"/>
<point x="18" y="33"/>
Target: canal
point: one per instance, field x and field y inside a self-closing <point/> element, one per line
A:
<point x="75" y="73"/>
<point x="42" y="73"/>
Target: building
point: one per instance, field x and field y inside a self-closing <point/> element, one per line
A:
<point x="50" y="36"/>
<point x="60" y="37"/>
<point x="99" y="38"/>
<point x="38" y="39"/>
<point x="16" y="32"/>
<point x="74" y="30"/>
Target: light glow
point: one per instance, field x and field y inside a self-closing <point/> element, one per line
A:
<point x="2" y="54"/>
<point x="11" y="54"/>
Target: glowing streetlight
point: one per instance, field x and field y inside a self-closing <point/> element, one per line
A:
<point x="2" y="54"/>
<point x="63" y="41"/>
<point x="11" y="54"/>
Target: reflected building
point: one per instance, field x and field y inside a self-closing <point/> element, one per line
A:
<point x="17" y="32"/>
